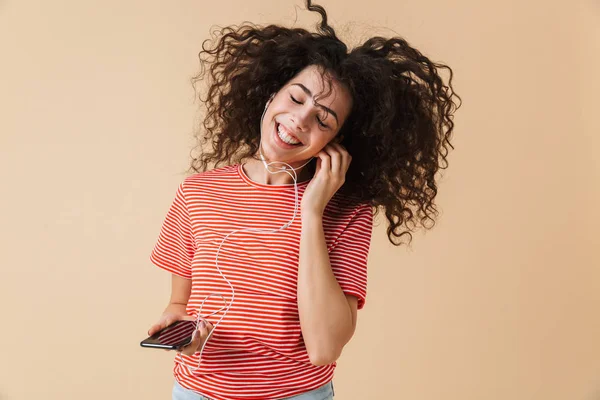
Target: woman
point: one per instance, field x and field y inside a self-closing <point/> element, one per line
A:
<point x="313" y="139"/>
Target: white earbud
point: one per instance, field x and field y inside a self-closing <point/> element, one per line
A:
<point x="269" y="101"/>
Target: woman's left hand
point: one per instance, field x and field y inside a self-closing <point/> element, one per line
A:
<point x="330" y="174"/>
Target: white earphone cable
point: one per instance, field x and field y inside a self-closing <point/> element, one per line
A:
<point x="287" y="168"/>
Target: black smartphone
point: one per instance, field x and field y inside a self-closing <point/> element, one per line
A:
<point x="172" y="337"/>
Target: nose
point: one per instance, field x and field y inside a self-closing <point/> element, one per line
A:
<point x="300" y="120"/>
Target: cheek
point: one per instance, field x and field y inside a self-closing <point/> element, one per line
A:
<point x="274" y="111"/>
<point x="321" y="142"/>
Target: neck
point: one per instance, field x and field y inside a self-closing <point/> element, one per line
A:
<point x="256" y="171"/>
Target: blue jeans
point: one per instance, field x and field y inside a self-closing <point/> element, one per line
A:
<point x="324" y="392"/>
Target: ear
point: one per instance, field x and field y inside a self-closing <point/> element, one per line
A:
<point x="338" y="139"/>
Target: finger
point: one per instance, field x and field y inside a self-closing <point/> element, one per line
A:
<point x="161" y="324"/>
<point x="153" y="329"/>
<point x="325" y="160"/>
<point x="336" y="158"/>
<point x="204" y="328"/>
<point x="199" y="337"/>
<point x="192" y="347"/>
<point x="205" y="323"/>
<point x="317" y="164"/>
<point x="340" y="149"/>
<point x="346" y="157"/>
<point x="156" y="327"/>
<point x="343" y="151"/>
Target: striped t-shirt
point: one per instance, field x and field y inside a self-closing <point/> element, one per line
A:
<point x="257" y="351"/>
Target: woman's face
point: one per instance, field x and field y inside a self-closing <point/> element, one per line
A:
<point x="295" y="128"/>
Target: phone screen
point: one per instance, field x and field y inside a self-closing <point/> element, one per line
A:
<point x="172" y="337"/>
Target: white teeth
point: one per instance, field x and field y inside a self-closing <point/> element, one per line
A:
<point x="285" y="137"/>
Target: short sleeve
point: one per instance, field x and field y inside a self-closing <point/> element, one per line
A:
<point x="175" y="247"/>
<point x="349" y="255"/>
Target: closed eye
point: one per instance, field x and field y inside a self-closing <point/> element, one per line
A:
<point x="298" y="102"/>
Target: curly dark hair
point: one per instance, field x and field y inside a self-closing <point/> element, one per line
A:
<point x="398" y="131"/>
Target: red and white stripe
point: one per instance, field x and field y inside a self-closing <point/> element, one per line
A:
<point x="257" y="351"/>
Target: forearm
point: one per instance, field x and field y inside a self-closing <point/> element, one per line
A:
<point x="176" y="309"/>
<point x="180" y="294"/>
<point x="325" y="315"/>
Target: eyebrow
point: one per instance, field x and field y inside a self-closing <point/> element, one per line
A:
<point x="308" y="92"/>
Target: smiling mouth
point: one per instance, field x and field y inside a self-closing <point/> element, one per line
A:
<point x="287" y="138"/>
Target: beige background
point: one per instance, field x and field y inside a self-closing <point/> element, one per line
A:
<point x="500" y="301"/>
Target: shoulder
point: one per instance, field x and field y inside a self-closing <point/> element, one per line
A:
<point x="344" y="215"/>
<point x="211" y="177"/>
<point x="348" y="207"/>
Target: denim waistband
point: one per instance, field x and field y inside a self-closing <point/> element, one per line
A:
<point x="325" y="392"/>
